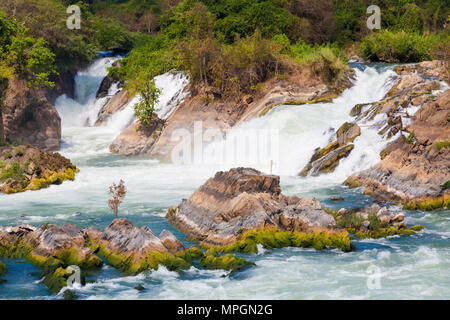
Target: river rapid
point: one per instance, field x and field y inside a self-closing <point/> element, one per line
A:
<point x="414" y="267"/>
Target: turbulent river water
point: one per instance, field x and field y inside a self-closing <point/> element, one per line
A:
<point x="415" y="267"/>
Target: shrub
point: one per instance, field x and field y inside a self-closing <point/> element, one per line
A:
<point x="411" y="139"/>
<point x="402" y="46"/>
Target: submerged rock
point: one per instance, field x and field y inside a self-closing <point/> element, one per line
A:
<point x="28" y="168"/>
<point x="231" y="203"/>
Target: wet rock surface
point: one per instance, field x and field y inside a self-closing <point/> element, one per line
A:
<point x="326" y="159"/>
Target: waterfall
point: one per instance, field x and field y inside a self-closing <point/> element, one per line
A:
<point x="302" y="129"/>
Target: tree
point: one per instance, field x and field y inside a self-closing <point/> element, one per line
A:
<point x="118" y="193"/>
<point x="149" y="96"/>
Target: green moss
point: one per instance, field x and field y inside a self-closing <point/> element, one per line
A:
<point x="53" y="178"/>
<point x="383" y="233"/>
<point x="428" y="204"/>
<point x="271" y="238"/>
<point x="446" y="185"/>
<point x="57" y="279"/>
<point x="228" y="262"/>
<point x="72" y="257"/>
<point x="181" y="261"/>
<point x="15" y="172"/>
<point x="440" y="145"/>
<point x="352" y="222"/>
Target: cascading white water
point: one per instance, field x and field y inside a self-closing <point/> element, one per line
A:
<point x="302" y="129"/>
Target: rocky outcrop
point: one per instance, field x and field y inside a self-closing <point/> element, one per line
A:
<point x="231" y="203"/>
<point x="28" y="117"/>
<point x="25" y="167"/>
<point x="326" y="159"/>
<point x="414" y="168"/>
<point x="136" y="139"/>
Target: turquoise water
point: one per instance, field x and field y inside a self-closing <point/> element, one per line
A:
<point x="399" y="267"/>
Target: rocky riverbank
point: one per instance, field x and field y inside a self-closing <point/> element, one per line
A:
<point x="25" y="167"/>
<point x="414" y="169"/>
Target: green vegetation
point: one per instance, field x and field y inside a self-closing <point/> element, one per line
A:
<point x="402" y="46"/>
<point x="428" y="204"/>
<point x="440" y="145"/>
<point x="22" y="55"/>
<point x="148" y="98"/>
<point x="354" y="224"/>
<point x="446" y="185"/>
<point x="273" y="238"/>
<point x="228" y="262"/>
<point x="45" y="42"/>
<point x="411" y="138"/>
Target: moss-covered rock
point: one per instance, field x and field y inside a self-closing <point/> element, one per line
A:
<point x="428" y="203"/>
<point x="57" y="279"/>
<point x="271" y="238"/>
<point x="228" y="262"/>
<point x="130" y="264"/>
<point x="373" y="222"/>
<point x="25" y="168"/>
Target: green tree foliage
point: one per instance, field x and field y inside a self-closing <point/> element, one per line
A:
<point x="148" y="98"/>
<point x="23" y="55"/>
<point x="72" y="48"/>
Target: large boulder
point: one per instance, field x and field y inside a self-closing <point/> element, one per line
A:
<point x="245" y="199"/>
<point x="29" y="117"/>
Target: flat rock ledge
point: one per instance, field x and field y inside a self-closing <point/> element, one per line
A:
<point x="245" y="207"/>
